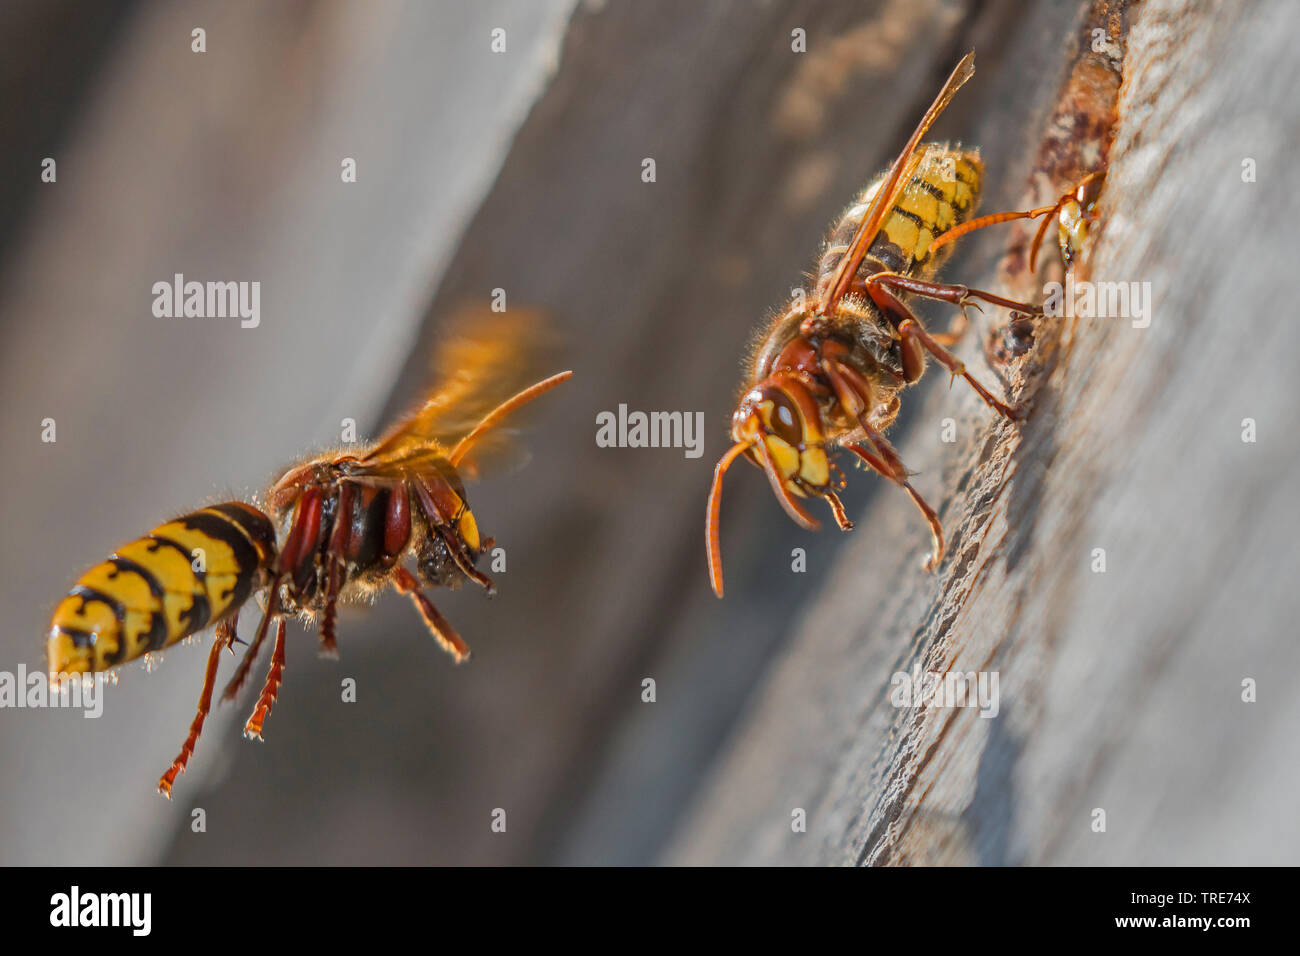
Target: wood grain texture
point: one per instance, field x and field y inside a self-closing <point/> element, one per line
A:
<point x="1119" y="690"/>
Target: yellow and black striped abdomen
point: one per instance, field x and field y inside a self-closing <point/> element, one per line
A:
<point x="942" y="192"/>
<point x="173" y="582"/>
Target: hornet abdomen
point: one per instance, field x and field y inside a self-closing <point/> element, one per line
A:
<point x="943" y="191"/>
<point x="173" y="582"/>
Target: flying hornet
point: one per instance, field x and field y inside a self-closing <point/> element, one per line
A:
<point x="828" y="370"/>
<point x="334" y="528"/>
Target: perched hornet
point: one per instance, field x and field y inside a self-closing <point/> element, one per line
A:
<point x="349" y="522"/>
<point x="827" y="371"/>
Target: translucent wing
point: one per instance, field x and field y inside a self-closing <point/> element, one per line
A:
<point x="893" y="184"/>
<point x="482" y="371"/>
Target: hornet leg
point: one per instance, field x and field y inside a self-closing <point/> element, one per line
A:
<point x="931" y="518"/>
<point x="917" y="341"/>
<point x="438" y="625"/>
<point x="253" y="729"/>
<point x="225" y="633"/>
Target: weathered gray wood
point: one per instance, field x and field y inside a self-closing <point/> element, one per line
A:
<point x="1122" y="690"/>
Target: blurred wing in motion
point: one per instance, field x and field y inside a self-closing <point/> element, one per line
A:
<point x="484" y="370"/>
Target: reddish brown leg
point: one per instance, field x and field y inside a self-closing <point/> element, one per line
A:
<point x="931" y="518"/>
<point x="253" y="729"/>
<point x="465" y="561"/>
<point x="993" y="219"/>
<point x="329" y="646"/>
<point x="959" y="295"/>
<point x="427" y="490"/>
<point x="837" y="508"/>
<point x="336" y="557"/>
<point x="911" y="329"/>
<point x="225" y="633"/>
<point x="915" y="338"/>
<point x="1081" y="192"/>
<point x="250" y="655"/>
<point x="853" y="392"/>
<point x="438" y="625"/>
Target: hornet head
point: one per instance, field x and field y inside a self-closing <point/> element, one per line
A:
<point x="778" y="426"/>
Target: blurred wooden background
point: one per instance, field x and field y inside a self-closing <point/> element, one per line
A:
<point x="523" y="171"/>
